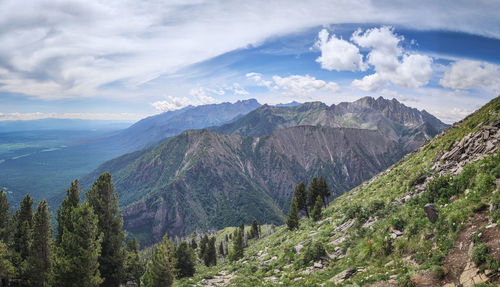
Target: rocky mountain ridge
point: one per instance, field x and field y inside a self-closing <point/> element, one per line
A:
<point x="258" y="159"/>
<point x="431" y="219"/>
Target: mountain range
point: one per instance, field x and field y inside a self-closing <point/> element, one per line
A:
<point x="246" y="169"/>
<point x="40" y="157"/>
<point x="431" y="219"/>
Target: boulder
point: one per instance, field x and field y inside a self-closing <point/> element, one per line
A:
<point x="346" y="274"/>
<point x="431" y="211"/>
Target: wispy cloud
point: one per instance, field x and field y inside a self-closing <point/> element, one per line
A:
<point x="55" y="49"/>
<point x="84" y="116"/>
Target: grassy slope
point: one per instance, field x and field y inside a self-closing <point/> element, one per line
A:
<point x="358" y="204"/>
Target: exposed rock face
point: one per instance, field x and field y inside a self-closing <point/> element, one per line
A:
<point x="472" y="147"/>
<point x="410" y="127"/>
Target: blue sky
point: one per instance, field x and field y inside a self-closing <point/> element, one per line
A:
<point x="128" y="60"/>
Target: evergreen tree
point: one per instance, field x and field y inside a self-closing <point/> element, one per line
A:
<point x="293" y="217"/>
<point x="184" y="260"/>
<point x="159" y="271"/>
<point x="24" y="222"/>
<point x="104" y="201"/>
<point x="238" y="249"/>
<point x="300" y="196"/>
<point x="211" y="253"/>
<point x="313" y="192"/>
<point x="194" y="245"/>
<point x="40" y="257"/>
<point x="6" y="268"/>
<point x="63" y="215"/>
<point x="316" y="211"/>
<point x="324" y="190"/>
<point x="242" y="227"/>
<point x="4" y="216"/>
<point x="254" y="230"/>
<point x="22" y="239"/>
<point x="221" y="249"/>
<point x="76" y="257"/>
<point x="203" y="247"/>
<point x="133" y="265"/>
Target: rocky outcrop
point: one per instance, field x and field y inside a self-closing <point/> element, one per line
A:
<point x="472" y="147"/>
<point x="342" y="276"/>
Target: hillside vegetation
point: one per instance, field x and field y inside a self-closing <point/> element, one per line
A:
<point x="379" y="233"/>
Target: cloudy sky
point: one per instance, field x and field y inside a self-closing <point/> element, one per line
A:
<point x="134" y="58"/>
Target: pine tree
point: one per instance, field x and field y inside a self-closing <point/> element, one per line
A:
<point x="104" y="201"/>
<point x="316" y="211"/>
<point x="324" y="190"/>
<point x="221" y="249"/>
<point x="194" y="245"/>
<point x="254" y="230"/>
<point x="4" y="216"/>
<point x="6" y="268"/>
<point x="312" y="192"/>
<point x="238" y="249"/>
<point x="23" y="221"/>
<point x="159" y="271"/>
<point x="133" y="265"/>
<point x="184" y="260"/>
<point x="211" y="253"/>
<point x="203" y="246"/>
<point x="63" y="215"/>
<point x="76" y="257"/>
<point x="300" y="195"/>
<point x="293" y="217"/>
<point x="40" y="258"/>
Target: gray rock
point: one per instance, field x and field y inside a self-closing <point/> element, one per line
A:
<point x="346" y="274"/>
<point x="431" y="211"/>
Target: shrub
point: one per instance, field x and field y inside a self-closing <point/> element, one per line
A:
<point x="405" y="281"/>
<point x="484" y="183"/>
<point x="464" y="179"/>
<point x="398" y="223"/>
<point x="313" y="252"/>
<point x="480" y="253"/>
<point x="439" y="188"/>
<point x="438" y="271"/>
<point x="375" y="206"/>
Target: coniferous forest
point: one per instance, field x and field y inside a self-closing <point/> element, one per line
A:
<point x="88" y="246"/>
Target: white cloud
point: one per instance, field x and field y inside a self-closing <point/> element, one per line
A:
<point x="338" y="54"/>
<point x="55" y="49"/>
<point x="257" y="77"/>
<point x="83" y="116"/>
<point x="467" y="74"/>
<point x="201" y="97"/>
<point x="237" y="89"/>
<point x="171" y="103"/>
<point x="390" y="62"/>
<point x="197" y="96"/>
<point x="304" y="86"/>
